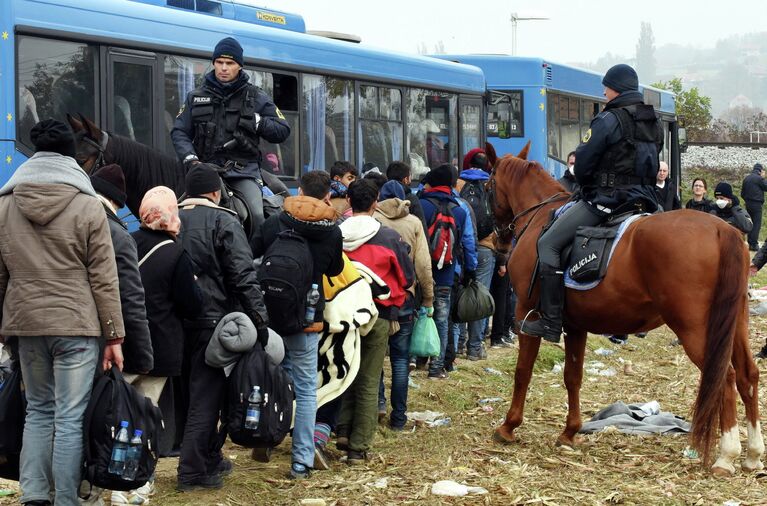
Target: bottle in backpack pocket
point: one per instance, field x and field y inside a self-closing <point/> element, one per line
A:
<point x="312" y="298"/>
<point x="253" y="414"/>
<point x="133" y="456"/>
<point x="119" y="450"/>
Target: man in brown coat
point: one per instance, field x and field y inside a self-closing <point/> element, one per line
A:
<point x="59" y="296"/>
<point x="393" y="212"/>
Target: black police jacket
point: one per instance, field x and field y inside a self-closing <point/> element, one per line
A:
<point x="617" y="161"/>
<point x="754" y="187"/>
<point x="217" y="122"/>
<point x="223" y="262"/>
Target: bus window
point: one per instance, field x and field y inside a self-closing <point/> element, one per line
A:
<point x="182" y="75"/>
<point x="280" y="159"/>
<point x="54" y="78"/>
<point x="570" y="128"/>
<point x="132" y="101"/>
<point x="470" y="126"/>
<point x="380" y="125"/>
<point x="552" y="125"/>
<point x="504" y="115"/>
<point x="328" y="116"/>
<point x="432" y="130"/>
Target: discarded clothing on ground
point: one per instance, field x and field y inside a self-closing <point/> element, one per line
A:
<point x="636" y="419"/>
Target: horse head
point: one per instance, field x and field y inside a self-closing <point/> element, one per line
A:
<point x="90" y="142"/>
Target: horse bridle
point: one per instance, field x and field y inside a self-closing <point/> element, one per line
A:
<point x="101" y="147"/>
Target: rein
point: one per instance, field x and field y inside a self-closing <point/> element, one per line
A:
<point x="511" y="227"/>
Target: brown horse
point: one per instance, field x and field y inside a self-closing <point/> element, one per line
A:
<point x="686" y="269"/>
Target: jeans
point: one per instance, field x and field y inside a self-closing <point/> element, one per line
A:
<point x="485" y="268"/>
<point x="203" y="439"/>
<point x="441" y="316"/>
<point x="399" y="345"/>
<point x="359" y="415"/>
<point x="58" y="377"/>
<point x="300" y="363"/>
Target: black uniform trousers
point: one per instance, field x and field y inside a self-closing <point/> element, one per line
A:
<point x="203" y="439"/>
<point x="505" y="305"/>
<point x="754" y="210"/>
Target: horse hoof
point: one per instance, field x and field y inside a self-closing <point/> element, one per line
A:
<point x="752" y="468"/>
<point x="568" y="443"/>
<point x="503" y="436"/>
<point x="721" y="472"/>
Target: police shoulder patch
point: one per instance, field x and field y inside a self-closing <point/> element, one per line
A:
<point x="279" y="113"/>
<point x="587" y="136"/>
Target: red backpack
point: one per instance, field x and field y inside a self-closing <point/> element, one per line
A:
<point x="443" y="233"/>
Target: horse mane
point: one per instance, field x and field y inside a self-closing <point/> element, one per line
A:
<point x="144" y="168"/>
<point x="518" y="170"/>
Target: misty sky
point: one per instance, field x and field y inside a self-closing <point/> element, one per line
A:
<point x="578" y="31"/>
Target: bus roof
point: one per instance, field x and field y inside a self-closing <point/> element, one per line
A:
<point x="508" y="72"/>
<point x="145" y="26"/>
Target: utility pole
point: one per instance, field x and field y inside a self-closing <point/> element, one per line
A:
<point x="515" y="17"/>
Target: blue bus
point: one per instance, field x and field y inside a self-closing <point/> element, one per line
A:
<point x="129" y="64"/>
<point x="552" y="105"/>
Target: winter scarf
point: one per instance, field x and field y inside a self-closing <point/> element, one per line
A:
<point x="46" y="167"/>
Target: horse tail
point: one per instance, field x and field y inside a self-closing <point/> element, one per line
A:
<point x="727" y="306"/>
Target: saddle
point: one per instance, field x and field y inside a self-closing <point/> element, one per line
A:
<point x="587" y="258"/>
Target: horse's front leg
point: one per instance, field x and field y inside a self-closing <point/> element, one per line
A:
<point x="575" y="348"/>
<point x="528" y="351"/>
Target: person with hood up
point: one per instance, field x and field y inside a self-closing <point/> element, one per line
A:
<point x="393" y="212"/>
<point x="727" y="207"/>
<point x="384" y="254"/>
<point x="310" y="215"/>
<point x="60" y="303"/>
<point x="402" y="173"/>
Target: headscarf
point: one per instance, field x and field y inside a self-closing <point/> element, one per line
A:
<point x="159" y="210"/>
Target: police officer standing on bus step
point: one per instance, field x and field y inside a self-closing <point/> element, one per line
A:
<point x="222" y="121"/>
<point x="617" y="162"/>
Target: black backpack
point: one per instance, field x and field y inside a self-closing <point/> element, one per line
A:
<point x="473" y="192"/>
<point x="256" y="368"/>
<point x="12" y="417"/>
<point x="112" y="401"/>
<point x="286" y="277"/>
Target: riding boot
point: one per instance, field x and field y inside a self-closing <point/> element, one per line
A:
<point x="549" y="325"/>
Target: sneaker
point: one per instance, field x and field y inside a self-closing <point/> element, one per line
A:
<point x="450" y="367"/>
<point x="411" y="366"/>
<point x="473" y="357"/>
<point x="619" y="339"/>
<point x="437" y="375"/>
<point x="212" y="481"/>
<point x="354" y="457"/>
<point x="762" y="353"/>
<point x="510" y="338"/>
<point x="342" y="443"/>
<point x="299" y="471"/>
<point x="381" y="415"/>
<point x="497" y="344"/>
<point x="641" y="334"/>
<point x="118" y="497"/>
<point x="142" y="494"/>
<point x="224" y="468"/>
<point x="261" y="454"/>
<point x="321" y="458"/>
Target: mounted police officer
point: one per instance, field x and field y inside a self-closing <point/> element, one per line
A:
<point x="616" y="166"/>
<point x="222" y="121"/>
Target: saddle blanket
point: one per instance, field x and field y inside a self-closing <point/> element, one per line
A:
<point x="570" y="283"/>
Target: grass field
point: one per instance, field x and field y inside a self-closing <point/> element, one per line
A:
<point x="608" y="468"/>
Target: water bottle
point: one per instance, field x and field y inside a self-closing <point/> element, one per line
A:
<point x="253" y="415"/>
<point x="119" y="450"/>
<point x="133" y="457"/>
<point x="312" y="298"/>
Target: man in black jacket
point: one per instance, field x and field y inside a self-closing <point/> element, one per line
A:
<point x="752" y="192"/>
<point x="109" y="183"/>
<point x="223" y="121"/>
<point x="311" y="216"/>
<point x="223" y="263"/>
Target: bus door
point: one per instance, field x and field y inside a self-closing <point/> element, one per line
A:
<point x="132" y="103"/>
<point x="470" y="117"/>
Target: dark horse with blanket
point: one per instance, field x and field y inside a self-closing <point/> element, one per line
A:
<point x="702" y="298"/>
<point x="146" y="168"/>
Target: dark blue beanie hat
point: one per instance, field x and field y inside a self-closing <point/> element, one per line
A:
<point x="229" y="48"/>
<point x="621" y="78"/>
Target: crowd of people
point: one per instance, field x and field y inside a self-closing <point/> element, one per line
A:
<point x="80" y="294"/>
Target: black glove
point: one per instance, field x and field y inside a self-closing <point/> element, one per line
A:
<point x="263" y="336"/>
<point x="468" y="277"/>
